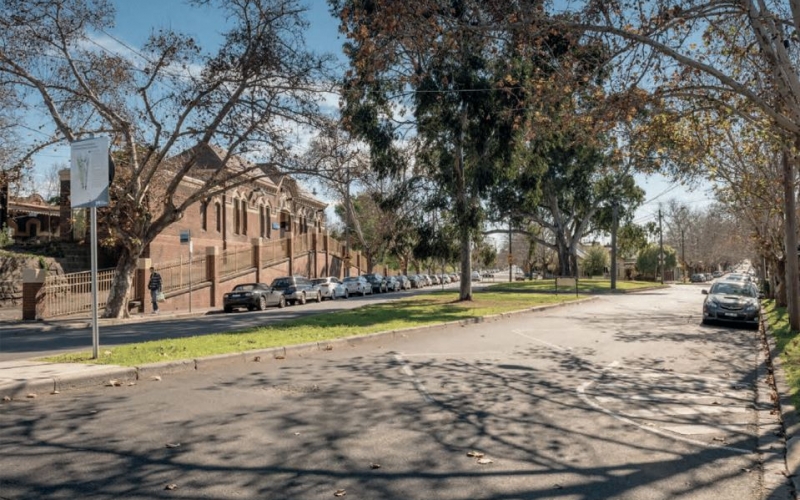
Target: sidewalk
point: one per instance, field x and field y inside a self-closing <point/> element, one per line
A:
<point x="81" y="322"/>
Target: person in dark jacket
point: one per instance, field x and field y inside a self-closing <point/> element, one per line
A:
<point x="154" y="285"/>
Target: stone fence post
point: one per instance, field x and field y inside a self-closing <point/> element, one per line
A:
<point x="257" y="263"/>
<point x="212" y="272"/>
<point x="32" y="296"/>
<point x="142" y="294"/>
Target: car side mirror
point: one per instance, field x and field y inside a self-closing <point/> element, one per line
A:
<point x="704" y="292"/>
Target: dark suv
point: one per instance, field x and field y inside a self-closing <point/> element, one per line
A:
<point x="377" y="281"/>
<point x="297" y="289"/>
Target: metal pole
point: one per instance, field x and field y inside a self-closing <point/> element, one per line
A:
<point x="347" y="226"/>
<point x="95" y="329"/>
<point x="661" y="247"/>
<point x="190" y="276"/>
<point x="510" y="255"/>
<point x="614" y="247"/>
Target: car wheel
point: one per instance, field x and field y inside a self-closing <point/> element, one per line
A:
<point x="346" y="294"/>
<point x="228" y="309"/>
<point x="303" y="299"/>
<point x="262" y="303"/>
<point x="282" y="303"/>
<point x="319" y="297"/>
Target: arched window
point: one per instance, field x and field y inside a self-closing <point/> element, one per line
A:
<point x="204" y="215"/>
<point x="236" y="216"/>
<point x="243" y="216"/>
<point x="218" y="213"/>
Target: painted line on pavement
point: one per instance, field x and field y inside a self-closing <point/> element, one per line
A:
<point x="586" y="399"/>
<point x="548" y="344"/>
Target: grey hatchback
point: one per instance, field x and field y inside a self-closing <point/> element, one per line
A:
<point x="732" y="302"/>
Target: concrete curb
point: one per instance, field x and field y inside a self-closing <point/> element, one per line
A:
<point x="83" y="323"/>
<point x="786" y="411"/>
<point x="154" y="371"/>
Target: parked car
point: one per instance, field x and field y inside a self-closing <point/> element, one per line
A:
<point x="393" y="284"/>
<point x="732" y="302"/>
<point x="297" y="289"/>
<point x="717" y="274"/>
<point x="738" y="277"/>
<point x="357" y="285"/>
<point x="377" y="281"/>
<point x="252" y="296"/>
<point x="444" y="278"/>
<point x="434" y="279"/>
<point x="476" y="276"/>
<point x="405" y="283"/>
<point x="330" y="288"/>
<point x="417" y="281"/>
<point x="698" y="278"/>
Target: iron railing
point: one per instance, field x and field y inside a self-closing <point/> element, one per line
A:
<point x="66" y="294"/>
<point x="273" y="251"/>
<point x="175" y="275"/>
<point x="236" y="261"/>
<point x="302" y="244"/>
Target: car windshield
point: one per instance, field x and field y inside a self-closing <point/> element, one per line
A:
<point x="281" y="283"/>
<point x="244" y="288"/>
<point x="319" y="281"/>
<point x="732" y="289"/>
<point x="351" y="278"/>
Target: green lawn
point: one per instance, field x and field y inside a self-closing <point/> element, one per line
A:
<point x="437" y="307"/>
<point x="788" y="345"/>
<point x="586" y="285"/>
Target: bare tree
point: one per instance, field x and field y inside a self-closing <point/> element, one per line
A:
<point x="166" y="104"/>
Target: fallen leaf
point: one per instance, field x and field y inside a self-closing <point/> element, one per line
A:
<point x="484" y="461"/>
<point x="328" y="347"/>
<point x="106" y="353"/>
<point x="31" y="396"/>
<point x="131" y="383"/>
<point x="557" y="486"/>
<point x="296" y="433"/>
<point x="173" y="445"/>
<point x="171" y="487"/>
<point x="6" y="399"/>
<point x="339" y="493"/>
<point x="474" y="454"/>
<point x="257" y="359"/>
<point x="374" y="466"/>
<point x="92" y="412"/>
<point x="56" y="392"/>
<point x="114" y="383"/>
<point x="280" y="356"/>
<point x="722" y="439"/>
<point x="157" y="378"/>
<point x="745" y="469"/>
<point x="715" y="402"/>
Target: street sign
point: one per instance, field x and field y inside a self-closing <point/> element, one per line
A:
<point x="186" y="237"/>
<point x="89" y="172"/>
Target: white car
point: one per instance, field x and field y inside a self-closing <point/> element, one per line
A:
<point x="476" y="276"/>
<point x="357" y="285"/>
<point x="331" y="288"/>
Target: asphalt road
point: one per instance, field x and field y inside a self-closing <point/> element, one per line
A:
<point x="27" y="340"/>
<point x="625" y="397"/>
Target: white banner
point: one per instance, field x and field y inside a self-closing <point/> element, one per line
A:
<point x="89" y="172"/>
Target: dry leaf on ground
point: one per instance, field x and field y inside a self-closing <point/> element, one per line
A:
<point x="475" y="454"/>
<point x="484" y="461"/>
<point x="157" y="378"/>
<point x="171" y="486"/>
<point x="374" y="466"/>
<point x="6" y="399"/>
<point x="339" y="493"/>
<point x="173" y="445"/>
<point x="114" y="383"/>
<point x="31" y="396"/>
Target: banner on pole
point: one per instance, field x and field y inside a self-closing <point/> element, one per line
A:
<point x="89" y="173"/>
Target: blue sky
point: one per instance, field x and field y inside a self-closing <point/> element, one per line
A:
<point x="137" y="18"/>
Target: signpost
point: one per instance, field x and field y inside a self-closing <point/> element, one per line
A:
<point x="89" y="181"/>
<point x="186" y="239"/>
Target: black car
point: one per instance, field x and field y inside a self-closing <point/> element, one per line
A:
<point x="732" y="302"/>
<point x="252" y="296"/>
<point x="377" y="281"/>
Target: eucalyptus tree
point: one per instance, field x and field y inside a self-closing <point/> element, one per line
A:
<point x="419" y="69"/>
<point x="165" y="103"/>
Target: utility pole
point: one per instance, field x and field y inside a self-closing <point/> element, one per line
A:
<point x="614" y="223"/>
<point x="661" y="247"/>
<point x="683" y="254"/>
<point x="510" y="255"/>
<point x="347" y="224"/>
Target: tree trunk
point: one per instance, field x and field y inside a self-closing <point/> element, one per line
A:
<point x="117" y="303"/>
<point x="780" y="283"/>
<point x="790" y="230"/>
<point x="465" y="284"/>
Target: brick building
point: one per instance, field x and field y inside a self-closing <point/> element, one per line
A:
<point x="271" y="207"/>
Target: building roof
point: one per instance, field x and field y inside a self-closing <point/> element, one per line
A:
<point x="33" y="205"/>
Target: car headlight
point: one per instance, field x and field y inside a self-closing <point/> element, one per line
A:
<point x="751" y="308"/>
<point x="712" y="304"/>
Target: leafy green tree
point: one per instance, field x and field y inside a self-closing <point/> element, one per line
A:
<point x="648" y="259"/>
<point x="596" y="260"/>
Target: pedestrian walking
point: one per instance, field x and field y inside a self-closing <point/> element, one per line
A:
<point x="154" y="285"/>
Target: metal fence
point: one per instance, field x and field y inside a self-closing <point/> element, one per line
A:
<point x="66" y="294"/>
<point x="273" y="251"/>
<point x="175" y="275"/>
<point x="235" y="261"/>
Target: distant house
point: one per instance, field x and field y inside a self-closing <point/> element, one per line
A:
<point x="31" y="218"/>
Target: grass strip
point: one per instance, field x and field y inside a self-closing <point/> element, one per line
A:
<point x="436" y="307"/>
<point x="788" y="345"/>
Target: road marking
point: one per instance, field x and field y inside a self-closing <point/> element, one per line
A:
<point x="406" y="369"/>
<point x="586" y="399"/>
<point x="548" y="344"/>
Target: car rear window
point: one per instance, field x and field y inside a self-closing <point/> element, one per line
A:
<point x="282" y="283"/>
<point x="244" y="288"/>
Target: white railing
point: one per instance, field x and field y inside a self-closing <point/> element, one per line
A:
<point x="66" y="294"/>
<point x="175" y="275"/>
